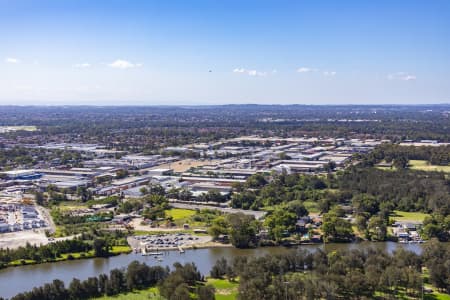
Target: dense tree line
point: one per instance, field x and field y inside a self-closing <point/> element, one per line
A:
<point x="43" y="253"/>
<point x="408" y="191"/>
<point x="348" y="274"/>
<point x="19" y="156"/>
<point x="100" y="242"/>
<point x="435" y="155"/>
<point x="182" y="283"/>
<point x="261" y="191"/>
<point x="135" y="276"/>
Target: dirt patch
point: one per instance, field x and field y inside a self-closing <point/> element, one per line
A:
<point x="184" y="165"/>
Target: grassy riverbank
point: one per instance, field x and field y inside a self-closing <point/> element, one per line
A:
<point x="116" y="250"/>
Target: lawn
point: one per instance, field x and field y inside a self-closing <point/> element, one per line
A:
<point x="408" y="216"/>
<point x="180" y="214"/>
<point x="120" y="249"/>
<point x="437" y="296"/>
<point x="20" y="262"/>
<point x="424" y="166"/>
<point x="311" y="206"/>
<point x="151" y="293"/>
<point x="225" y="290"/>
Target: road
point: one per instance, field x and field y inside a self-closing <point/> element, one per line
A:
<point x="44" y="212"/>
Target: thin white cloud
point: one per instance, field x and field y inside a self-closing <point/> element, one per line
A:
<point x="329" y="73"/>
<point x="82" y="65"/>
<point x="12" y="60"/>
<point x="239" y="70"/>
<point x="123" y="64"/>
<point x="307" y="70"/>
<point x="253" y="73"/>
<point x="304" y="70"/>
<point x="401" y="76"/>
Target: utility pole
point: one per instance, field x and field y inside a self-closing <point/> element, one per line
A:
<point x="285" y="290"/>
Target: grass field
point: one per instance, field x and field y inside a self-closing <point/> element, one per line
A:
<point x="311" y="206"/>
<point x="148" y="294"/>
<point x="180" y="214"/>
<point x="424" y="166"/>
<point x="225" y="290"/>
<point x="408" y="216"/>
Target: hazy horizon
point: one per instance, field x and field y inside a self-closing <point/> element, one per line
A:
<point x="213" y="53"/>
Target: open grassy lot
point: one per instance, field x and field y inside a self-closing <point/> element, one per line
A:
<point x="225" y="290"/>
<point x="71" y="205"/>
<point x="408" y="216"/>
<point x="180" y="214"/>
<point x="185" y="164"/>
<point x="424" y="166"/>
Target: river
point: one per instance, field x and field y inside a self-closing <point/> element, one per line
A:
<point x="19" y="279"/>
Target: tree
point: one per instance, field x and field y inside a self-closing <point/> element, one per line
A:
<point x="101" y="248"/>
<point x="256" y="181"/>
<point x="143" y="190"/>
<point x="377" y="228"/>
<point x="437" y="259"/>
<point x="121" y="174"/>
<point x="298" y="208"/>
<point x="83" y="193"/>
<point x="181" y="292"/>
<point x="39" y="198"/>
<point x="156" y="189"/>
<point x="116" y="283"/>
<point x="76" y="290"/>
<point x="243" y="229"/>
<point x="219" y="226"/>
<point x="279" y="221"/>
<point x="206" y="292"/>
<point x="437" y="226"/>
<point x="335" y="228"/>
<point x="220" y="268"/>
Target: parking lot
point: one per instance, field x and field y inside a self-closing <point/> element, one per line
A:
<point x="167" y="241"/>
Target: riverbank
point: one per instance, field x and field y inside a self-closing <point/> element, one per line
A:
<point x="24" y="278"/>
<point x="116" y="250"/>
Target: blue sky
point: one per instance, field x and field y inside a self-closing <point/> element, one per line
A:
<point x="215" y="52"/>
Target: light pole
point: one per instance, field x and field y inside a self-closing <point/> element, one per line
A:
<point x="285" y="290"/>
<point x="421" y="276"/>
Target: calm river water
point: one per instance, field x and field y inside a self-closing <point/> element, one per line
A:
<point x="24" y="278"/>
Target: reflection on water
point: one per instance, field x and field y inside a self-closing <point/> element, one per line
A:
<point x="24" y="278"/>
